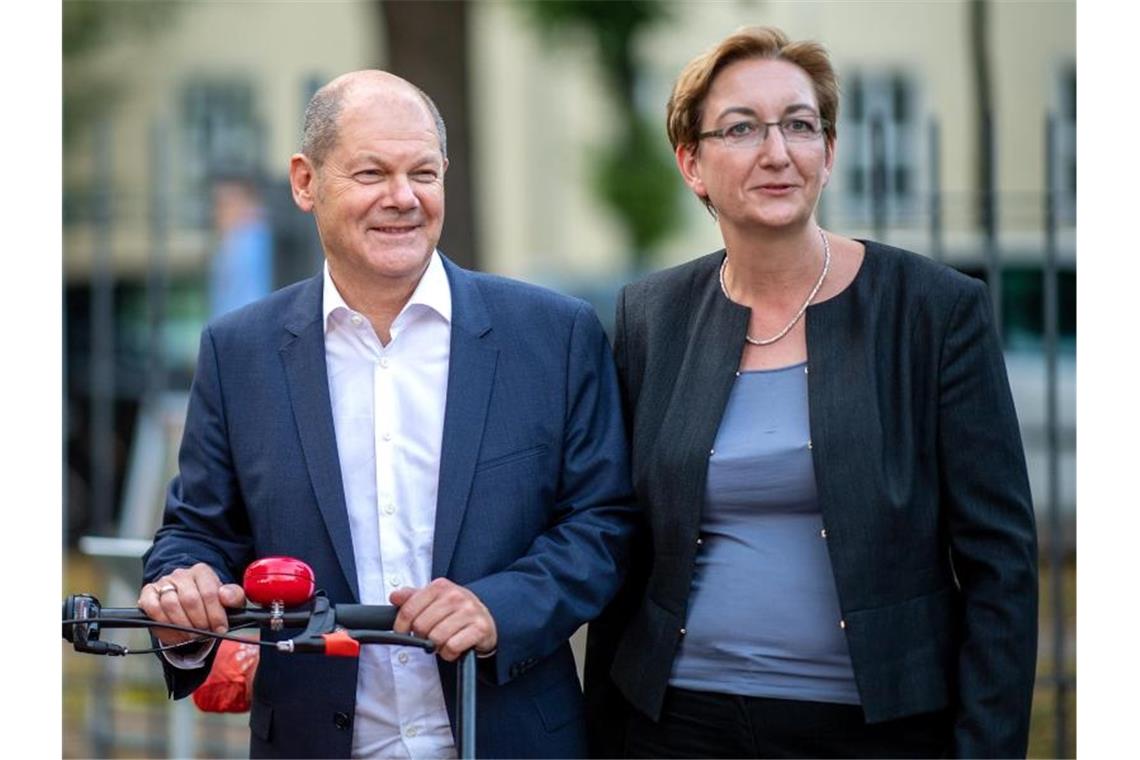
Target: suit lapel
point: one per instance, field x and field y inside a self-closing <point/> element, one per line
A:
<point x="470" y="379"/>
<point x="303" y="355"/>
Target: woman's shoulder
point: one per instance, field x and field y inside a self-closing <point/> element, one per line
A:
<point x="912" y="275"/>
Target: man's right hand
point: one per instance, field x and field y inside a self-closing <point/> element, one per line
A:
<point x="193" y="597"/>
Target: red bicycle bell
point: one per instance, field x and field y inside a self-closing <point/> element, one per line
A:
<point x="285" y="580"/>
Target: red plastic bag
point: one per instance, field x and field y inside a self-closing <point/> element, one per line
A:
<point x="229" y="687"/>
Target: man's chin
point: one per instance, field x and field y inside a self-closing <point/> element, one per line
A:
<point x="400" y="261"/>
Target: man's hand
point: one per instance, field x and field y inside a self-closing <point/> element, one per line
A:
<point x="448" y="614"/>
<point x="192" y="597"/>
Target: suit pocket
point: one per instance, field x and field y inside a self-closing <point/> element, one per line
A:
<point x="555" y="690"/>
<point x="904" y="654"/>
<point x="514" y="456"/>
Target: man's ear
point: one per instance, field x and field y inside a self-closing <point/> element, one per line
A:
<point x="690" y="169"/>
<point x="302" y="175"/>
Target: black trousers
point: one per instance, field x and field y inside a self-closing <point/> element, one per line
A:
<point x="707" y="724"/>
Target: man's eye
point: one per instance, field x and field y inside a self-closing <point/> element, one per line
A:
<point x="741" y="129"/>
<point x="368" y="175"/>
<point x="426" y="176"/>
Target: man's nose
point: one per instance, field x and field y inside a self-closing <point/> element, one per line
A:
<point x="400" y="194"/>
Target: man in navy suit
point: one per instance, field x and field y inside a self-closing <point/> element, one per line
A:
<point x="442" y="440"/>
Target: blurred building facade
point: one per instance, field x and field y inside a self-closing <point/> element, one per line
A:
<point x="222" y="87"/>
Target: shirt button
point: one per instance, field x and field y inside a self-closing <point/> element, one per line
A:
<point x="403" y="658"/>
<point x="411" y="732"/>
<point x="394" y="580"/>
<point x="389" y="508"/>
<point x="384" y="361"/>
<point x="387" y="436"/>
<point x="357" y="320"/>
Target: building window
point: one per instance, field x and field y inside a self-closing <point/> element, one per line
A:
<point x="221" y="133"/>
<point x="879" y="159"/>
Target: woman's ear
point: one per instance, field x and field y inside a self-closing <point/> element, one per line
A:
<point x="690" y="169"/>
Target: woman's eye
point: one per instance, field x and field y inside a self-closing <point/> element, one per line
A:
<point x="798" y="125"/>
<point x="741" y="129"/>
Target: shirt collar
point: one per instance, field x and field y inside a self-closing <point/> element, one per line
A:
<point x="433" y="291"/>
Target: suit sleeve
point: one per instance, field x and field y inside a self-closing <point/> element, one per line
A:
<point x="574" y="568"/>
<point x="993" y="544"/>
<point x="205" y="518"/>
<point x="607" y="711"/>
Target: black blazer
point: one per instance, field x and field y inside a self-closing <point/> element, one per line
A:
<point x="921" y="480"/>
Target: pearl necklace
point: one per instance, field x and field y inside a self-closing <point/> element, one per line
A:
<point x="803" y="308"/>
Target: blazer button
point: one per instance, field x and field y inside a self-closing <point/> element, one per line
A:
<point x="683" y="631"/>
<point x="842" y="623"/>
<point x="341" y="720"/>
<point x="823" y="533"/>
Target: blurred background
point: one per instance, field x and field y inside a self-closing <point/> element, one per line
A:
<point x="957" y="139"/>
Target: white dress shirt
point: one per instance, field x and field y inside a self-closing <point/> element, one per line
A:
<point x="388" y="406"/>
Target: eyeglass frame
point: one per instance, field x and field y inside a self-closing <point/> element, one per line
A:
<point x="823" y="125"/>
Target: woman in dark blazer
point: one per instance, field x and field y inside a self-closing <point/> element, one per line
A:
<point x="840" y="553"/>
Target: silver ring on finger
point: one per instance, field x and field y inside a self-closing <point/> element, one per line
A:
<point x="163" y="589"/>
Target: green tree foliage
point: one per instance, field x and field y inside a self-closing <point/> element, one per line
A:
<point x="634" y="175"/>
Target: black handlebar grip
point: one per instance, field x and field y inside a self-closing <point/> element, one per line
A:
<point x="375" y="617"/>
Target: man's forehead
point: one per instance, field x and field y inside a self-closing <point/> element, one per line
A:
<point x="379" y="123"/>
<point x="392" y="111"/>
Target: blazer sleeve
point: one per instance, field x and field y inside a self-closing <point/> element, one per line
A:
<point x="574" y="568"/>
<point x="990" y="525"/>
<point x="205" y="518"/>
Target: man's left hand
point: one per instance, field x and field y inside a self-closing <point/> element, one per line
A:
<point x="448" y="614"/>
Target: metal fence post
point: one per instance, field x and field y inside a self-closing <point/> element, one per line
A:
<point x="934" y="158"/>
<point x="1056" y="555"/>
<point x="990" y="224"/>
<point x="156" y="281"/>
<point x="102" y="368"/>
<point x="878" y="177"/>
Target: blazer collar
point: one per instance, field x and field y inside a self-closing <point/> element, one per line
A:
<point x="470" y="380"/>
<point x="303" y="357"/>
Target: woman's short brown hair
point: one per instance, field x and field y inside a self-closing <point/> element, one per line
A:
<point x="685" y="109"/>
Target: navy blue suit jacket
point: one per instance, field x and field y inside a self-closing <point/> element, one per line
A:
<point x="533" y="509"/>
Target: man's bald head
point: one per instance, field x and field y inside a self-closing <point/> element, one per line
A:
<point x="323" y="112"/>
